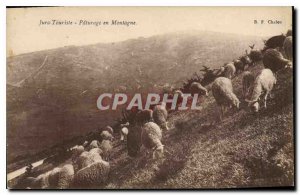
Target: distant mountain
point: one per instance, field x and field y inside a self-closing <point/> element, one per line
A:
<point x="51" y="94"/>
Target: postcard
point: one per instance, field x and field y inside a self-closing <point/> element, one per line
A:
<point x="150" y="98"/>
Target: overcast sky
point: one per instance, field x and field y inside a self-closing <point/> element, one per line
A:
<point x="25" y="35"/>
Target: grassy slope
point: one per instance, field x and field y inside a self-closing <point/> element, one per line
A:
<point x="245" y="150"/>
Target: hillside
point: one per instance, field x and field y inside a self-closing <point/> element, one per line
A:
<point x="244" y="150"/>
<point x="51" y="95"/>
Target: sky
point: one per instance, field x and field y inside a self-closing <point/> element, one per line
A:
<point x="25" y="34"/>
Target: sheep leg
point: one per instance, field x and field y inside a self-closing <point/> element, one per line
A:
<point x="226" y="109"/>
<point x="166" y="126"/>
<point x="154" y="155"/>
<point x="265" y="99"/>
<point x="271" y="95"/>
<point x="122" y="137"/>
<point x="222" y="112"/>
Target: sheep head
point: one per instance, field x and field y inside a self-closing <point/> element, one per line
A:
<point x="206" y="92"/>
<point x="253" y="104"/>
<point x="158" y="152"/>
<point x="236" y="102"/>
<point x="289" y="65"/>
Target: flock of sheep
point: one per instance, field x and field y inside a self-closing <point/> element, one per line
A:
<point x="89" y="164"/>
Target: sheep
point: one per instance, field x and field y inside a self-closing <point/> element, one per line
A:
<point x="197" y="88"/>
<point x="65" y="176"/>
<point x="87" y="158"/>
<point x="76" y="151"/>
<point x="41" y="182"/>
<point x="179" y="95"/>
<point x="229" y="70"/>
<point x="36" y="182"/>
<point x="106" y="135"/>
<point x="239" y="65"/>
<point x="179" y="92"/>
<point x="274" y="42"/>
<point x="248" y="80"/>
<point x="53" y="177"/>
<point x="179" y="99"/>
<point x="288" y="48"/>
<point x="151" y="138"/>
<point x="143" y="116"/>
<point x="171" y="95"/>
<point x="125" y="125"/>
<point x="96" y="150"/>
<point x="274" y="60"/>
<point x="221" y="70"/>
<point x="265" y="81"/>
<point x="160" y="115"/>
<point x="44" y="181"/>
<point x="93" y="144"/>
<point x="81" y="161"/>
<point x="106" y="146"/>
<point x="124" y="133"/>
<point x="289" y="33"/>
<point x="222" y="91"/>
<point x="245" y="59"/>
<point x="85" y="143"/>
<point x="29" y="182"/>
<point x="255" y="56"/>
<point x="109" y="129"/>
<point x="92" y="175"/>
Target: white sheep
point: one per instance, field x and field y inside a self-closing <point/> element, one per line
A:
<point x="160" y="115"/>
<point x="222" y="91"/>
<point x="65" y="176"/>
<point x="53" y="177"/>
<point x="93" y="144"/>
<point x="151" y="138"/>
<point x="87" y="158"/>
<point x="197" y="88"/>
<point x="288" y="47"/>
<point x="125" y="125"/>
<point x="44" y="181"/>
<point x="96" y="150"/>
<point x="248" y="80"/>
<point x="41" y="181"/>
<point x="92" y="175"/>
<point x="106" y="146"/>
<point x="124" y="133"/>
<point x="78" y="163"/>
<point x="76" y="151"/>
<point x="85" y="143"/>
<point x="58" y="178"/>
<point x="109" y="129"/>
<point x="229" y="70"/>
<point x="264" y="82"/>
<point x="179" y="93"/>
<point x="180" y="96"/>
<point x="106" y="135"/>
